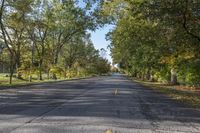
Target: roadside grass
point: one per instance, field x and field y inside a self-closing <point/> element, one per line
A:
<point x="183" y="94"/>
<point x="4" y="80"/>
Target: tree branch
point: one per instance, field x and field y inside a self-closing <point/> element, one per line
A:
<point x="185" y="23"/>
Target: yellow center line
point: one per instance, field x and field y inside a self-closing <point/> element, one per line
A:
<point x="108" y="131"/>
<point x="116" y="91"/>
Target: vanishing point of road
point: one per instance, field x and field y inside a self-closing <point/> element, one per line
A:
<point x="102" y="104"/>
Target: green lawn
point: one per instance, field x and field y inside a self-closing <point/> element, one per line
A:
<point x="4" y="80"/>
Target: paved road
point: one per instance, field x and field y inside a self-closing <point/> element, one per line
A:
<point x="93" y="106"/>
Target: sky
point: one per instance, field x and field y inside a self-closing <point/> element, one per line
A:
<point x="99" y="39"/>
<point x="99" y="36"/>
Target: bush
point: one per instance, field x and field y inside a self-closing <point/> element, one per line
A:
<point x="163" y="75"/>
<point x="56" y="71"/>
<point x="190" y="73"/>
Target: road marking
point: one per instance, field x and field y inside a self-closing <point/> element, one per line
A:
<point x="108" y="131"/>
<point x="116" y="91"/>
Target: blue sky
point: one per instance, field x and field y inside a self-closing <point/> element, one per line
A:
<point x="98" y="37"/>
<point x="99" y="41"/>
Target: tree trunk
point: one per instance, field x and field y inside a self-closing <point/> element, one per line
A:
<point x="55" y="62"/>
<point x="18" y="63"/>
<point x="48" y="74"/>
<point x="56" y="57"/>
<point x="143" y="76"/>
<point x="54" y="76"/>
<point x="139" y="75"/>
<point x="148" y="75"/>
<point x="173" y="77"/>
<point x="32" y="61"/>
<point x="19" y="75"/>
<point x="152" y="79"/>
<point x="11" y="76"/>
<point x="11" y="69"/>
<point x="30" y="78"/>
<point x="40" y="74"/>
<point x="65" y="71"/>
<point x="134" y="73"/>
<point x="3" y="68"/>
<point x="40" y="69"/>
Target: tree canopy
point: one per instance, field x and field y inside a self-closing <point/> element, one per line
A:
<point x="156" y="39"/>
<point x="49" y="37"/>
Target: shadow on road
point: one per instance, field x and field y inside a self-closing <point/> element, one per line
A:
<point x="93" y="98"/>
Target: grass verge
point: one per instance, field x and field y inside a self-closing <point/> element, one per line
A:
<point x="189" y="97"/>
<point x="18" y="83"/>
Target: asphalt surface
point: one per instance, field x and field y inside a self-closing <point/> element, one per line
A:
<point x="95" y="105"/>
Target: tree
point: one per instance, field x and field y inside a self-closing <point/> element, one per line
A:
<point x="154" y="38"/>
<point x="37" y="44"/>
<point x="13" y="21"/>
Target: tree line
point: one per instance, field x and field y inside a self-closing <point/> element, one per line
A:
<point x="49" y="37"/>
<point x="156" y="40"/>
